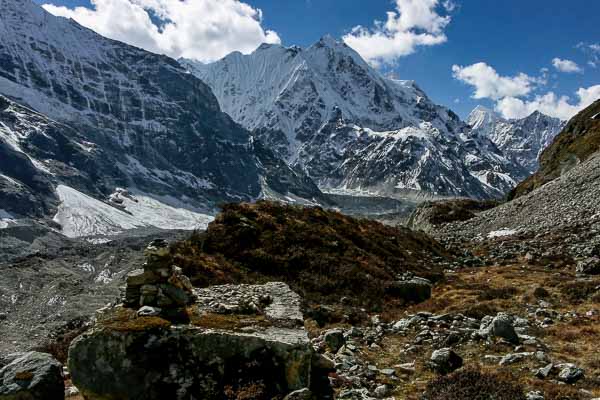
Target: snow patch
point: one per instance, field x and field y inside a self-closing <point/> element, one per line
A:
<point x="501" y="233"/>
<point x="105" y="277"/>
<point x="5" y="219"/>
<point x="82" y="215"/>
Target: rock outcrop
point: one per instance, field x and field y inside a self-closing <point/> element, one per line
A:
<point x="31" y="376"/>
<point x="235" y="341"/>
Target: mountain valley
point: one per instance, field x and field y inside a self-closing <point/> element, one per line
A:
<point x="283" y="224"/>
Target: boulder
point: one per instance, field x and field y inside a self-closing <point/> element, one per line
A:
<point x="302" y="394"/>
<point x="589" y="266"/>
<point x="445" y="361"/>
<point x="227" y="349"/>
<point x="544" y="372"/>
<point x="31" y="376"/>
<point x="334" y="339"/>
<point x="500" y="326"/>
<point x="569" y="373"/>
<point x="415" y="290"/>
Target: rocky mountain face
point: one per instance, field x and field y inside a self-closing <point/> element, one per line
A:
<point x="330" y="114"/>
<point x="578" y="141"/>
<point x="110" y="115"/>
<point x="523" y="140"/>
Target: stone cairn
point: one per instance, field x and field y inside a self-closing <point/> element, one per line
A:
<point x="160" y="288"/>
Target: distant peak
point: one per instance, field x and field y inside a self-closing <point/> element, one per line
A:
<point x="265" y="46"/>
<point x="482" y="109"/>
<point x="330" y="41"/>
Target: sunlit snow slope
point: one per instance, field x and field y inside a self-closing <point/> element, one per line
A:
<point x="82" y="215"/>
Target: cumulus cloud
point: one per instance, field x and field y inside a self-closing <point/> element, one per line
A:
<point x="567" y="66"/>
<point x="413" y="23"/>
<point x="491" y="85"/>
<point x="550" y="104"/>
<point x="514" y="94"/>
<point x="204" y="30"/>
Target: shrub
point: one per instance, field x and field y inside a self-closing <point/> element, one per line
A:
<point x="503" y="293"/>
<point x="580" y="291"/>
<point x="541" y="293"/>
<point x="470" y="384"/>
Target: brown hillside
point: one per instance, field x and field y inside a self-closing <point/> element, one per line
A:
<point x="323" y="255"/>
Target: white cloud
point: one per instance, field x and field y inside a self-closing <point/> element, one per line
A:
<point x="549" y="104"/>
<point x="489" y="84"/>
<point x="413" y="23"/>
<point x="205" y="30"/>
<point x="592" y="51"/>
<point x="567" y="66"/>
<point x="513" y="94"/>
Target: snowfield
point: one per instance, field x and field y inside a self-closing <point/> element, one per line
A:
<point x="82" y="215"/>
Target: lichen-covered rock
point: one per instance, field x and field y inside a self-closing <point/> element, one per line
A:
<point x="31" y="376"/>
<point x="228" y="348"/>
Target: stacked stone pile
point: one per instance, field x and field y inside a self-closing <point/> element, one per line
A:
<point x="160" y="288"/>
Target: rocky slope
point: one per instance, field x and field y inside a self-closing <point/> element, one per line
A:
<point x="578" y="141"/>
<point x="125" y="118"/>
<point x="556" y="213"/>
<point x="523" y="140"/>
<point x="351" y="129"/>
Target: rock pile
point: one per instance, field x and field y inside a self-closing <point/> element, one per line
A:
<point x="160" y="288"/>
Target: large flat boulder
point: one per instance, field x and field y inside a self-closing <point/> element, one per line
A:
<point x="241" y="340"/>
<point x="31" y="376"/>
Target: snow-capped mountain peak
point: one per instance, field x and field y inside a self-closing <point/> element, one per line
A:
<point x="521" y="139"/>
<point x="94" y="114"/>
<point x="482" y="116"/>
<point x="329" y="113"/>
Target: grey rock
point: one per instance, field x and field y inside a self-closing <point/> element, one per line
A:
<point x="382" y="391"/>
<point x="32" y="376"/>
<point x="535" y="395"/>
<point x="334" y="339"/>
<point x="501" y="326"/>
<point x="415" y="290"/>
<point x="514" y="358"/>
<point x="544" y="372"/>
<point x="444" y="361"/>
<point x="302" y="394"/>
<point x="589" y="266"/>
<point x="569" y="373"/>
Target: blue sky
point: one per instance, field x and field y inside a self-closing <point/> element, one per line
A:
<point x="511" y="37"/>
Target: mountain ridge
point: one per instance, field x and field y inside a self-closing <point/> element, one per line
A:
<point x="522" y="139"/>
<point x="329" y="113"/>
<point x="147" y="123"/>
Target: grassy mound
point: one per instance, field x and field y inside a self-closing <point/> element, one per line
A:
<point x="323" y="255"/>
